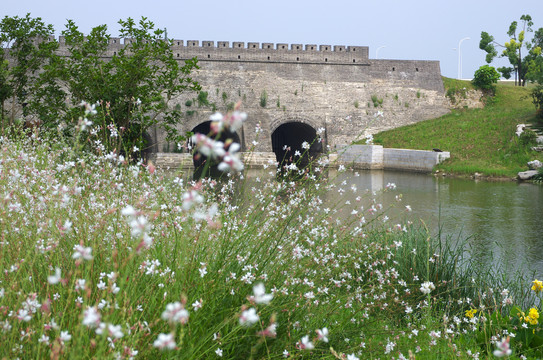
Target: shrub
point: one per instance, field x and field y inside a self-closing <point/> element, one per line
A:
<point x="528" y="138"/>
<point x="263" y="98"/>
<point x="537" y="100"/>
<point x="202" y="99"/>
<point x="451" y="94"/>
<point x="485" y="78"/>
<point x="376" y="101"/>
<point x="538" y="178"/>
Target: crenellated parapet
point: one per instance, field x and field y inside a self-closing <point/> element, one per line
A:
<point x="254" y="51"/>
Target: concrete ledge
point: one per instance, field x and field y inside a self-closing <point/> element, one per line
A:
<point x="413" y="160"/>
<point x="357" y="156"/>
<point x="377" y="157"/>
<point x="184" y="161"/>
<point x="173" y="160"/>
<point x="361" y="156"/>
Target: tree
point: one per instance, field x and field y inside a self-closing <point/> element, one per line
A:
<point x="26" y="50"/>
<point x="535" y="63"/>
<point x="130" y="89"/>
<point x="485" y="77"/>
<point x="513" y="48"/>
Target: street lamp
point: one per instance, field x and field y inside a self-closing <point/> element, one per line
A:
<point x="460" y="58"/>
<point x="377" y="51"/>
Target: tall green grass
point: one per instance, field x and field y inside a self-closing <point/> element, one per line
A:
<point x="342" y="285"/>
<point x="479" y="140"/>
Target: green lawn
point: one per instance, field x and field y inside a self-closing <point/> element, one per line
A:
<point x="479" y="140"/>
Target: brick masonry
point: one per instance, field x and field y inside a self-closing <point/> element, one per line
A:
<point x="373" y="157"/>
<point x="334" y="87"/>
<point x="337" y="88"/>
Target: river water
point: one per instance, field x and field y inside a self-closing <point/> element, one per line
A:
<point x="501" y="221"/>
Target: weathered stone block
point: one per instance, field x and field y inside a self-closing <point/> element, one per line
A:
<point x="526" y="175"/>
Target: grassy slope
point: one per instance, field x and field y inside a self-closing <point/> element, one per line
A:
<point x="480" y="140"/>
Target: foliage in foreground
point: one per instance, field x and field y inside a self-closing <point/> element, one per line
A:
<point x="108" y="260"/>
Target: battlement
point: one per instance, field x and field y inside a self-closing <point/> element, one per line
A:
<point x="254" y="51"/>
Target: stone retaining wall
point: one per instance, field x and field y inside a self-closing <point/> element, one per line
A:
<point x="357" y="156"/>
<point x="377" y="157"/>
<point x="184" y="161"/>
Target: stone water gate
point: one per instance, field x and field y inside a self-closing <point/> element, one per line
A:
<point x="291" y="91"/>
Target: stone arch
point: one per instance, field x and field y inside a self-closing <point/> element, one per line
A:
<point x="199" y="160"/>
<point x="291" y="137"/>
<point x="146" y="149"/>
<point x="289" y="119"/>
<point x="149" y="147"/>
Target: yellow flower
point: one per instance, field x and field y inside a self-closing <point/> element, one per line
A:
<point x="538" y="286"/>
<point x="471" y="313"/>
<point x="532" y="317"/>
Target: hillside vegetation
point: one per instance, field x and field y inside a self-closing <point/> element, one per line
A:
<point x="479" y="140"/>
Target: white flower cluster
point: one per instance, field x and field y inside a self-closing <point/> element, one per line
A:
<point x="227" y="153"/>
<point x="427" y="287"/>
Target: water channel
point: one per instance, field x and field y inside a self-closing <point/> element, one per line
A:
<point x="502" y="221"/>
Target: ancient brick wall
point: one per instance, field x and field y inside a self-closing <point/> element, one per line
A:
<point x="334" y="87"/>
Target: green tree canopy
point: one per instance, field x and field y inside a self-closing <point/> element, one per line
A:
<point x="525" y="67"/>
<point x="132" y="86"/>
<point x="26" y="50"/>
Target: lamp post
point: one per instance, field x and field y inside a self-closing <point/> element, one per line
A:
<point x="377" y="51"/>
<point x="460" y="58"/>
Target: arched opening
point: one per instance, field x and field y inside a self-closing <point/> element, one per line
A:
<point x="143" y="149"/>
<point x="147" y="148"/>
<point x="290" y="142"/>
<point x="200" y="160"/>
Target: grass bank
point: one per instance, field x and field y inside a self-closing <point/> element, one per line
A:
<point x="103" y="259"/>
<point x="479" y="140"/>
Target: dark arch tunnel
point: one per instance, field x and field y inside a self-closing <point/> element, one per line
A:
<point x="289" y="137"/>
<point x="199" y="160"/>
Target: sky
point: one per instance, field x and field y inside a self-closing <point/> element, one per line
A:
<point x="393" y="29"/>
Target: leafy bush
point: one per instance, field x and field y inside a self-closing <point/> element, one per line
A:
<point x="538" y="178"/>
<point x="528" y="138"/>
<point x="537" y="100"/>
<point x="485" y="78"/>
<point x="202" y="99"/>
<point x="451" y="94"/>
<point x="377" y="102"/>
<point x="263" y="98"/>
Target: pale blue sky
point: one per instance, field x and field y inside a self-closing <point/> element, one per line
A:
<point x="413" y="30"/>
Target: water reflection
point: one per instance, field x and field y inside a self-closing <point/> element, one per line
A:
<point x="503" y="221"/>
